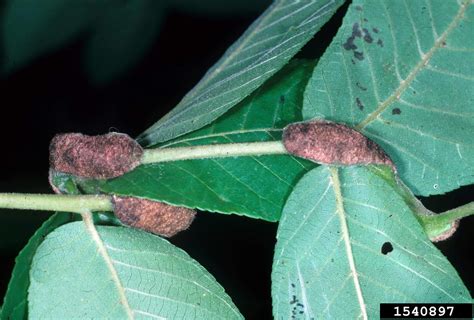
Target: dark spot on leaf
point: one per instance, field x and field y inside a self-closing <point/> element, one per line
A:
<point x="361" y="87"/>
<point x="300" y="305"/>
<point x="443" y="43"/>
<point x="359" y="55"/>
<point x="282" y="99"/>
<point x="292" y="285"/>
<point x="396" y="111"/>
<point x="356" y="30"/>
<point x="332" y="260"/>
<point x="365" y="20"/>
<point x="390" y="215"/>
<point x="359" y="104"/>
<point x="387" y="248"/>
<point x="375" y="30"/>
<point x="380" y="43"/>
<point x="302" y="311"/>
<point x="353" y="62"/>
<point x="358" y="8"/>
<point x="349" y="44"/>
<point x="294" y="300"/>
<point x="367" y="37"/>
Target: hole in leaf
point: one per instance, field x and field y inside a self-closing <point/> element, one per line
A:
<point x="387" y="248"/>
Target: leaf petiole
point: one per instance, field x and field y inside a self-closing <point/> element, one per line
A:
<point x="450" y="216"/>
<point x="56" y="202"/>
<point x="213" y="151"/>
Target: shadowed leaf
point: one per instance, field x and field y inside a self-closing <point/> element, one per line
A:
<point x="125" y="32"/>
<point x="31" y="29"/>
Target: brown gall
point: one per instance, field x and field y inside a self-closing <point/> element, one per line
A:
<point x="97" y="157"/>
<point x="327" y="142"/>
<point x="152" y="216"/>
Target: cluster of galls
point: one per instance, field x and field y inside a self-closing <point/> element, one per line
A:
<point x="112" y="155"/>
<point x="109" y="156"/>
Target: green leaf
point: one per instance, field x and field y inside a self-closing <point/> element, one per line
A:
<point x="266" y="46"/>
<point x="408" y="86"/>
<point x="252" y="186"/>
<point x="121" y="272"/>
<point x="30" y="29"/>
<point x="125" y="32"/>
<point x="347" y="242"/>
<point x="15" y="301"/>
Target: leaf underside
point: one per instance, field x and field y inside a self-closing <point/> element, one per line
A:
<point x="70" y="279"/>
<point x="15" y="304"/>
<point x="401" y="72"/>
<point x="252" y="186"/>
<point x="267" y="45"/>
<point x="347" y="242"/>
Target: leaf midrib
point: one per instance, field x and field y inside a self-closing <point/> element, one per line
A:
<point x="346" y="237"/>
<point x="102" y="250"/>
<point x="404" y="84"/>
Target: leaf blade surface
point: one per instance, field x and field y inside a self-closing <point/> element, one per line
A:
<point x="347" y="242"/>
<point x="159" y="280"/>
<point x="266" y="46"/>
<point x="15" y="301"/>
<point x="401" y="72"/>
<point x="252" y="186"/>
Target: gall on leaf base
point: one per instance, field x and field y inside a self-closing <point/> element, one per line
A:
<point x="447" y="233"/>
<point x="97" y="157"/>
<point x="152" y="216"/>
<point x="327" y="142"/>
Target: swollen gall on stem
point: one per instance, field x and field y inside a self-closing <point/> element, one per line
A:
<point x="152" y="216"/>
<point x="97" y="157"/>
<point x="327" y="142"/>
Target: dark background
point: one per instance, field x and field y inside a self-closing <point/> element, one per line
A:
<point x="52" y="95"/>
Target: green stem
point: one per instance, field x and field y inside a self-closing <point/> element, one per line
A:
<point x="213" y="151"/>
<point x="55" y="202"/>
<point x="452" y="215"/>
